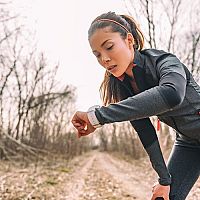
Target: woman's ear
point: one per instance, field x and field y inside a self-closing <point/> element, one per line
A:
<point x="131" y="40"/>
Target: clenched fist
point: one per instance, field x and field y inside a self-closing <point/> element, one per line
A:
<point x="81" y="122"/>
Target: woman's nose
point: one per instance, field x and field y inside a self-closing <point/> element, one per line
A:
<point x="105" y="59"/>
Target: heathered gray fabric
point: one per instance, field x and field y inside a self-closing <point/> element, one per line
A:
<point x="184" y="167"/>
<point x="171" y="65"/>
<point x="158" y="163"/>
<point x="185" y="118"/>
<point x="142" y="105"/>
<point x="157" y="66"/>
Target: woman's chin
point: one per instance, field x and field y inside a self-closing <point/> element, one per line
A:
<point x="119" y="75"/>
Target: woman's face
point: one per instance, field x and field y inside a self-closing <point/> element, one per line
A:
<point x="113" y="52"/>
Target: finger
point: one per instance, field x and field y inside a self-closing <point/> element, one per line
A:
<point x="81" y="129"/>
<point x="77" y="117"/>
<point x="75" y="120"/>
<point x="165" y="198"/>
<point x="152" y="198"/>
<point x="82" y="133"/>
<point x="77" y="124"/>
<point x="78" y="127"/>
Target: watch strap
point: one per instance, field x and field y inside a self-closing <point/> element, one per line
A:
<point x="92" y="117"/>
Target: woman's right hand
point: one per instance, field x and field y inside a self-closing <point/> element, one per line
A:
<point x="160" y="192"/>
<point x="81" y="122"/>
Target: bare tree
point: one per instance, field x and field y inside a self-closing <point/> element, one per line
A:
<point x="35" y="109"/>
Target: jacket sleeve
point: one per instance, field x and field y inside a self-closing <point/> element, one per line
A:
<point x="149" y="139"/>
<point x="168" y="94"/>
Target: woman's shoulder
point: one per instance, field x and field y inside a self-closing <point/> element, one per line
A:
<point x="155" y="52"/>
<point x="158" y="56"/>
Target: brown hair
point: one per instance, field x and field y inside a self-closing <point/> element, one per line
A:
<point x="110" y="89"/>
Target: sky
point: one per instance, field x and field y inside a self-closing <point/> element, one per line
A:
<point x="61" y="29"/>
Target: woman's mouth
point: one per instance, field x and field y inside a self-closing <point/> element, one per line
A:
<point x="112" y="68"/>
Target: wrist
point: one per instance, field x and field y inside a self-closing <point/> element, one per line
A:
<point x="165" y="181"/>
<point x="92" y="117"/>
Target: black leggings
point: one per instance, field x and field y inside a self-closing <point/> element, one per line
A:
<point x="184" y="166"/>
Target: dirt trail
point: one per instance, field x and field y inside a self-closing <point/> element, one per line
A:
<point x="74" y="187"/>
<point x="131" y="181"/>
<point x="93" y="176"/>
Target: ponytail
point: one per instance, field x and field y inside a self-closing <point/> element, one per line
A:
<point x="136" y="32"/>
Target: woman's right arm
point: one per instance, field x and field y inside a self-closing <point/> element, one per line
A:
<point x="149" y="139"/>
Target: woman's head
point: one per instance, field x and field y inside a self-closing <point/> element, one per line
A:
<point x="113" y="39"/>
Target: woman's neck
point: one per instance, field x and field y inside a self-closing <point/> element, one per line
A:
<point x="129" y="71"/>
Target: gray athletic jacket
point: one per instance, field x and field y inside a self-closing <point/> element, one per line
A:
<point x="168" y="90"/>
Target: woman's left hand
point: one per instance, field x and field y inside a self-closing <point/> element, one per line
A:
<point x="160" y="191"/>
<point x="81" y="122"/>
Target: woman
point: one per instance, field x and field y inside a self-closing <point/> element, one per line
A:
<point x="139" y="84"/>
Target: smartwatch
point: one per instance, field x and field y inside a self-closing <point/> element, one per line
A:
<point x="92" y="117"/>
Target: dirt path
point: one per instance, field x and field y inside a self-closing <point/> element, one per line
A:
<point x="94" y="176"/>
<point x="111" y="178"/>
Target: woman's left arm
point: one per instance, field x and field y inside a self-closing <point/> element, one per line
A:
<point x="167" y="95"/>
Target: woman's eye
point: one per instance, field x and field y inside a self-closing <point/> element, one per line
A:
<point x="109" y="48"/>
<point x="98" y="56"/>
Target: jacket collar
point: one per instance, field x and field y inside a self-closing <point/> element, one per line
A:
<point x="138" y="61"/>
<point x="138" y="58"/>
